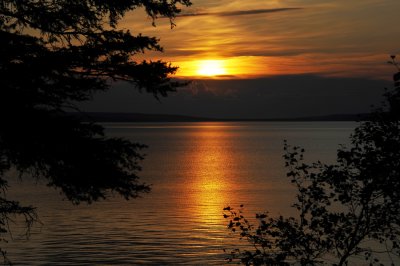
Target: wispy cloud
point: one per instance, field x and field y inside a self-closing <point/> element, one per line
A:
<point x="262" y="38"/>
<point x="239" y="12"/>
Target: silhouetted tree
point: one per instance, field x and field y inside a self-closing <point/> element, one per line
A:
<point x="53" y="54"/>
<point x="347" y="209"/>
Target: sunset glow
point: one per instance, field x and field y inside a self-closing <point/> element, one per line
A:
<point x="233" y="67"/>
<point x="211" y="68"/>
<point x="269" y="38"/>
<point x="188" y="132"/>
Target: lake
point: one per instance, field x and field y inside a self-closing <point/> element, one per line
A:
<point x="196" y="169"/>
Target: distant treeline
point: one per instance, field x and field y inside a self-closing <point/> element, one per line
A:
<point x="138" y="117"/>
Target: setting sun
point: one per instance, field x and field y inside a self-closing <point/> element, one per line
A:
<point x="211" y="68"/>
<point x="221" y="68"/>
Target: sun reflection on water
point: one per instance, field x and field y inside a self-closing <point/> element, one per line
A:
<point x="211" y="161"/>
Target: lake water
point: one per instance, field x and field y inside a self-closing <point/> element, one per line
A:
<point x="196" y="169"/>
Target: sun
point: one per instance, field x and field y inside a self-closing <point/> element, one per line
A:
<point x="211" y="68"/>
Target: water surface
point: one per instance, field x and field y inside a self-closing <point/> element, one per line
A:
<point x="196" y="169"/>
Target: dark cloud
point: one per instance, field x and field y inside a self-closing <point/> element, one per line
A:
<point x="274" y="97"/>
<point x="242" y="49"/>
<point x="238" y="13"/>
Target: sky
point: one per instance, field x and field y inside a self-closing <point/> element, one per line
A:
<point x="269" y="58"/>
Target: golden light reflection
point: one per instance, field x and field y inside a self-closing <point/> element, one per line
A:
<point x="213" y="181"/>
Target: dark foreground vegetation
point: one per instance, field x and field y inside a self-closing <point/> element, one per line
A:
<point x="347" y="210"/>
<point x="54" y="54"/>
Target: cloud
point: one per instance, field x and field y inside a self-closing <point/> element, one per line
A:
<point x="341" y="38"/>
<point x="239" y="12"/>
<point x="274" y="97"/>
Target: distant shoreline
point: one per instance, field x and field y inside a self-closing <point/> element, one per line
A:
<point x="139" y="117"/>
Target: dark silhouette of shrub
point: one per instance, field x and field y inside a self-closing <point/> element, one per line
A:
<point x="347" y="209"/>
<point x="54" y="54"/>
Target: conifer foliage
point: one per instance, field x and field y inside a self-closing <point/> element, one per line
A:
<point x="54" y="54"/>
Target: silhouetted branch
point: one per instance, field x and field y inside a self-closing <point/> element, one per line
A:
<point x="340" y="206"/>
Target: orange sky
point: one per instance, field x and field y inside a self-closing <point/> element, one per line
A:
<point x="256" y="38"/>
